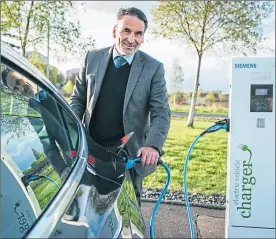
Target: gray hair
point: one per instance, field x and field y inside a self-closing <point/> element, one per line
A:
<point x="4" y="75"/>
<point x="133" y="11"/>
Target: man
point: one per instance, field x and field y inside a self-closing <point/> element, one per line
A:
<point x="121" y="89"/>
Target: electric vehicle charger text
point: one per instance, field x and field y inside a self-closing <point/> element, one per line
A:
<point x="247" y="182"/>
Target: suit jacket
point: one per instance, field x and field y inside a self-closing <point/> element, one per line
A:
<point x="146" y="109"/>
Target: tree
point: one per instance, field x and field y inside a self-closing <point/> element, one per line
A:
<point x="34" y="23"/>
<point x="210" y="97"/>
<point x="15" y="105"/>
<point x="177" y="74"/>
<point x="37" y="154"/>
<point x="34" y="59"/>
<point x="55" y="76"/>
<point x="223" y="97"/>
<point x="206" y="24"/>
<point x="25" y="22"/>
<point x="217" y="91"/>
<point x="179" y="97"/>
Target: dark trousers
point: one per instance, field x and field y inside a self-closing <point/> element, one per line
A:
<point x="136" y="178"/>
<point x="137" y="184"/>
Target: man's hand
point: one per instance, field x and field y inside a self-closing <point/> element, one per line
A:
<point x="149" y="155"/>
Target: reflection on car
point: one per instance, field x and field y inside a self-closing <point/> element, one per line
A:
<point x="56" y="182"/>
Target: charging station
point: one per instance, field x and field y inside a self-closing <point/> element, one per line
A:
<point x="250" y="204"/>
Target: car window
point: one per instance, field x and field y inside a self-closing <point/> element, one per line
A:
<point x="38" y="142"/>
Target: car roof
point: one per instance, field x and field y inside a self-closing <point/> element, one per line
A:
<point x="15" y="57"/>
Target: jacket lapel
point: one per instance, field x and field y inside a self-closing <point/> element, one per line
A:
<point x="135" y="71"/>
<point x="102" y="66"/>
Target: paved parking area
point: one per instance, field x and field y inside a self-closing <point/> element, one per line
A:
<point x="172" y="222"/>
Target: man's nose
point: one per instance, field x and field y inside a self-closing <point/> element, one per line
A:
<point x="21" y="88"/>
<point x="131" y="38"/>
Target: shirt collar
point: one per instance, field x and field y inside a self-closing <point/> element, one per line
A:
<point x="128" y="58"/>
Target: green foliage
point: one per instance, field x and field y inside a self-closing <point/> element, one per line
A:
<point x="180" y="97"/>
<point x="41" y="66"/>
<point x="68" y="88"/>
<point x="210" y="97"/>
<point x="73" y="78"/>
<point x="217" y="91"/>
<point x="27" y="171"/>
<point x="31" y="23"/>
<point x="206" y="23"/>
<point x="46" y="189"/>
<point x="55" y="75"/>
<point x="39" y="161"/>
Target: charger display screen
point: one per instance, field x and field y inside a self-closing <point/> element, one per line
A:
<point x="261" y="91"/>
<point x="261" y="98"/>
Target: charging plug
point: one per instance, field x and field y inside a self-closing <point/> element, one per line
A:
<point x="225" y="123"/>
<point x="131" y="162"/>
<point x="221" y="124"/>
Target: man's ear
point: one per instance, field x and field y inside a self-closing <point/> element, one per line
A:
<point x="114" y="31"/>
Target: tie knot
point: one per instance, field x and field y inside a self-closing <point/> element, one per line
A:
<point x="119" y="61"/>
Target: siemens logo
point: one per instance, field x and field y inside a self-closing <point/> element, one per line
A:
<point x="245" y="65"/>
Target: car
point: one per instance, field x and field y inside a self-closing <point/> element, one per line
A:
<point x="56" y="182"/>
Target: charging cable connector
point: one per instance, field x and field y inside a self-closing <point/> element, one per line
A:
<point x="26" y="179"/>
<point x="130" y="164"/>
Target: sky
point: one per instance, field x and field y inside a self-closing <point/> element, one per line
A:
<point x="98" y="18"/>
<point x="19" y="144"/>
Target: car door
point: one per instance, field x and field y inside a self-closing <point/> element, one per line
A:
<point x="53" y="183"/>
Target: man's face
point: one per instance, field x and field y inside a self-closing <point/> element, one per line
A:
<point x="128" y="34"/>
<point x="20" y="84"/>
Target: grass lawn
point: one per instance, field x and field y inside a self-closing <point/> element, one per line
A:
<point x="46" y="191"/>
<point x="207" y="164"/>
<point x="199" y="109"/>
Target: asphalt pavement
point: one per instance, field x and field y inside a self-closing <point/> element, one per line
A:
<point x="172" y="222"/>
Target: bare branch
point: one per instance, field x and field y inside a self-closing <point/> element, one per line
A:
<point x="9" y="35"/>
<point x="187" y="33"/>
<point x="203" y="27"/>
<point x="12" y="45"/>
<point x="215" y="42"/>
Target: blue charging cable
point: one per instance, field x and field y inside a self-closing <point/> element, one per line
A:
<point x="222" y="124"/>
<point x="29" y="178"/>
<point x="130" y="164"/>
